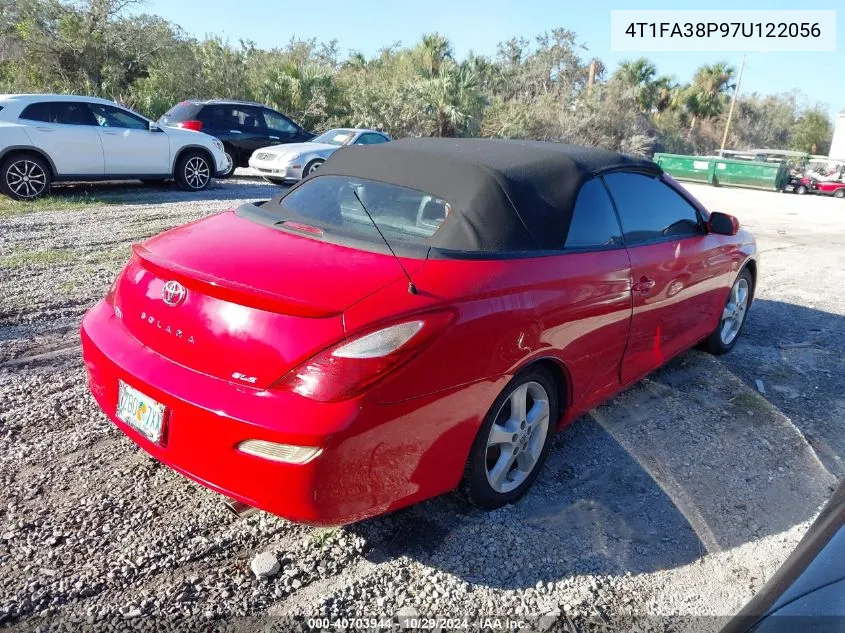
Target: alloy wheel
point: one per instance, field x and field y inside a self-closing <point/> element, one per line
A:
<point x="517" y="436"/>
<point x="26" y="178"/>
<point x="197" y="172"/>
<point x="231" y="160"/>
<point x="734" y="313"/>
<point x="312" y="168"/>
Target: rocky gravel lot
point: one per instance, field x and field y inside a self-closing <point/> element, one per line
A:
<point x="670" y="505"/>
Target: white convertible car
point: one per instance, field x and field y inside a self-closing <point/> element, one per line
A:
<point x="291" y="162"/>
<point x="48" y="138"/>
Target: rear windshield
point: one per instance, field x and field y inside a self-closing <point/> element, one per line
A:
<point x="402" y="214"/>
<point x="182" y="111"/>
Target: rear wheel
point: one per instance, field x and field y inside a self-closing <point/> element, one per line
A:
<point x="25" y="177"/>
<point x="230" y="155"/>
<point x="725" y="335"/>
<point x="193" y="171"/>
<point x="513" y="441"/>
<point x="839" y="193"/>
<point x="801" y="190"/>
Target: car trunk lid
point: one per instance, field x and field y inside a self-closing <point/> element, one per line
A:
<point x="257" y="300"/>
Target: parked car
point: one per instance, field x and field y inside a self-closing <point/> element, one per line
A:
<point x="833" y="188"/>
<point x="418" y="316"/>
<point x="51" y="138"/>
<point x="288" y="163"/>
<point x="807" y="593"/>
<point x="799" y="184"/>
<point x="242" y="126"/>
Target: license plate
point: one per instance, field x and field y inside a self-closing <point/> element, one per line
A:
<point x="141" y="412"/>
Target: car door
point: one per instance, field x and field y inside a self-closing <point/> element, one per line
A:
<point x="591" y="315"/>
<point x="676" y="270"/>
<point x="129" y="146"/>
<point x="65" y="131"/>
<point x="280" y="129"/>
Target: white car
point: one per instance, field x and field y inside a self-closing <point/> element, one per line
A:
<point x="294" y="161"/>
<point x="49" y="138"/>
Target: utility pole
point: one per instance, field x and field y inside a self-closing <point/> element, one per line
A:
<point x="733" y="105"/>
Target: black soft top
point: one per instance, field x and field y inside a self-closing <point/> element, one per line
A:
<point x="506" y="195"/>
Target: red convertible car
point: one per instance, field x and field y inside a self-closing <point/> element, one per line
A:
<point x="415" y="317"/>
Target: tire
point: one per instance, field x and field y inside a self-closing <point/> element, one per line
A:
<point x="193" y="171"/>
<point x="313" y="165"/>
<point x="230" y="154"/>
<point x="275" y="181"/>
<point x="722" y="340"/>
<point x="480" y="485"/>
<point x="801" y="190"/>
<point x="25" y="177"/>
<point x="839" y="193"/>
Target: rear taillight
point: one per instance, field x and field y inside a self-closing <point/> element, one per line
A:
<point x="196" y="126"/>
<point x="347" y="369"/>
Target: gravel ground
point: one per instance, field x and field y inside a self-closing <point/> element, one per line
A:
<point x="674" y="502"/>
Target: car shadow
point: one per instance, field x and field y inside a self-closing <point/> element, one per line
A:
<point x="691" y="460"/>
<point x="135" y="192"/>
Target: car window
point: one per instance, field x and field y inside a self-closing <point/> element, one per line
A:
<point x="278" y="123"/>
<point x="38" y="112"/>
<point x="72" y="113"/>
<point x="334" y="137"/>
<point x="244" y="117"/>
<point x="594" y="223"/>
<point x="224" y="115"/>
<point x="213" y="116"/>
<point x="649" y="209"/>
<point x="402" y="214"/>
<point x="370" y="139"/>
<point x="109" y="116"/>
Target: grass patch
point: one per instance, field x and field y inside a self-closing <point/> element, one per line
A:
<point x="322" y="537"/>
<point x="750" y="401"/>
<point x="34" y="258"/>
<point x="10" y="208"/>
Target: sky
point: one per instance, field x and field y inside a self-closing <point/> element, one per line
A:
<point x="479" y="25"/>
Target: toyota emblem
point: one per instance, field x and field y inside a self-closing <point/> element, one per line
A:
<point x="173" y="293"/>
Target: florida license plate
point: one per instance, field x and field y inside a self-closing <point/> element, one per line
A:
<point x="141" y="412"/>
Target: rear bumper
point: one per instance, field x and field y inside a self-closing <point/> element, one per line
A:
<point x="376" y="458"/>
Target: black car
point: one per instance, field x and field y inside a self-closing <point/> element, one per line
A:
<point x="242" y="126"/>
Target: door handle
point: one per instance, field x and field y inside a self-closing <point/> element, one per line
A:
<point x="644" y="285"/>
<point x="110" y="133"/>
<point x="235" y="131"/>
<point x="275" y="138"/>
<point x="44" y="129"/>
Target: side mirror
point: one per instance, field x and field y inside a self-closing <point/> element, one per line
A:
<point x="154" y="127"/>
<point x="722" y="224"/>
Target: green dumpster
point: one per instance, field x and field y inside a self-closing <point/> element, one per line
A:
<point x="695" y="168"/>
<point x="725" y="171"/>
<point x="747" y="173"/>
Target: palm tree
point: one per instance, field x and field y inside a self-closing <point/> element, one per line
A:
<point x="639" y="76"/>
<point x="665" y="91"/>
<point x="452" y="100"/>
<point x="707" y="96"/>
<point x="434" y="50"/>
<point x="301" y="90"/>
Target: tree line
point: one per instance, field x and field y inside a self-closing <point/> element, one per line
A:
<point x="547" y="89"/>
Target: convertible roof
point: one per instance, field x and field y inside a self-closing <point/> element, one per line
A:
<point x="506" y="195"/>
